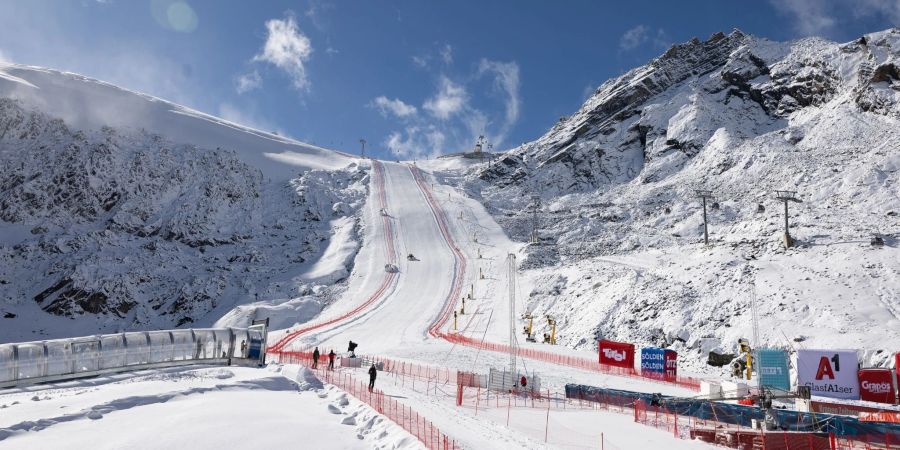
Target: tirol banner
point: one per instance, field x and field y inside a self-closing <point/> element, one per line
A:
<point x="773" y="369"/>
<point x="829" y="373"/>
<point x="876" y="385"/>
<point x="617" y="354"/>
<point x="659" y="363"/>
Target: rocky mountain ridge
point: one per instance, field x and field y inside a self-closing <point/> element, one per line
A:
<point x="620" y="251"/>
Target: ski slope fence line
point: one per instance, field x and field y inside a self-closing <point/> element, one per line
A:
<point x="730" y="435"/>
<point x="450" y="302"/>
<point x="730" y="425"/>
<point x="459" y="260"/>
<point x="571" y="361"/>
<point x="399" y="369"/>
<point x="403" y="415"/>
<point x="389" y="277"/>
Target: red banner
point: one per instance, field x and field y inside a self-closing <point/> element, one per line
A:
<point x="671" y="358"/>
<point x="897" y="366"/>
<point x="617" y="354"/>
<point x="886" y="416"/>
<point x="876" y="385"/>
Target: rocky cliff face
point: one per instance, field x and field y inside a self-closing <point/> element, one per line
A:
<point x="621" y="227"/>
<point x="124" y="229"/>
<point x="685" y="120"/>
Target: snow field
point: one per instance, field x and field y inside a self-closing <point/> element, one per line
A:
<point x="204" y="408"/>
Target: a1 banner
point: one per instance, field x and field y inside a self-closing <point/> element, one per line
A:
<point x="659" y="363"/>
<point x="829" y="373"/>
<point x="876" y="385"/>
<point x="617" y="354"/>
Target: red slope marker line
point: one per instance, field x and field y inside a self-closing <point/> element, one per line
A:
<point x="385" y="283"/>
<point x="457" y="338"/>
<point x="459" y="260"/>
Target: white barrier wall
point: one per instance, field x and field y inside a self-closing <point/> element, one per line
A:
<point x="61" y="359"/>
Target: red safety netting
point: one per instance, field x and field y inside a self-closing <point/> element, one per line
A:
<point x="403" y="415"/>
<point x="867" y="442"/>
<point x="571" y="361"/>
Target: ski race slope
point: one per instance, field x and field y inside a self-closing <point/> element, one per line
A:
<point x="400" y="314"/>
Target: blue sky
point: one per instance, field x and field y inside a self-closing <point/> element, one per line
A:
<point x="413" y="77"/>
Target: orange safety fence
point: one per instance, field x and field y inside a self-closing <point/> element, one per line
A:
<point x="571" y="361"/>
<point x="867" y="442"/>
<point x="403" y="415"/>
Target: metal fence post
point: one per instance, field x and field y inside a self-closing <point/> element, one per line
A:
<point x="46" y="360"/>
<point x="15" y="349"/>
<point x="172" y="340"/>
<point x="195" y="344"/>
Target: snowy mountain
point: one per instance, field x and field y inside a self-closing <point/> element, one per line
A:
<point x="122" y="211"/>
<point x="621" y="252"/>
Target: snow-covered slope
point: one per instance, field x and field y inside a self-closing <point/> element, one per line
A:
<point x="88" y="104"/>
<point x="123" y="211"/>
<point x="621" y="251"/>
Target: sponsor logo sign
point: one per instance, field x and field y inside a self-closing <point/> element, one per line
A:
<point x="876" y="385"/>
<point x="659" y="363"/>
<point x="618" y="354"/>
<point x="829" y="373"/>
<point x="773" y="369"/>
<point x="897" y="366"/>
<point x="842" y="409"/>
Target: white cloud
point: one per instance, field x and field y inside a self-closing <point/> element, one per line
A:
<point x="447" y="54"/>
<point x="810" y="17"/>
<point x="634" y="37"/>
<point x="396" y="107"/>
<point x="416" y="142"/>
<point x="642" y="34"/>
<point x="888" y="8"/>
<point x="506" y="79"/>
<point x="450" y="99"/>
<point x="420" y="61"/>
<point x="248" y="82"/>
<point x="288" y="49"/>
<point x="454" y="121"/>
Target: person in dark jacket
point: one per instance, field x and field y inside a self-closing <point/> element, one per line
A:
<point x="352" y="349"/>
<point x="316" y="358"/>
<point x="373" y="372"/>
<point x="331" y="360"/>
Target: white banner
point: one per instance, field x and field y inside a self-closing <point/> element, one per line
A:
<point x="829" y="373"/>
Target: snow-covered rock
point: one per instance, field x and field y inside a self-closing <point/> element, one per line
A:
<point x="107" y="228"/>
<point x="621" y="228"/>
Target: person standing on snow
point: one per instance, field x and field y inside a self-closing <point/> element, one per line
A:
<point x="331" y="360"/>
<point x="373" y="372"/>
<point x="316" y="358"/>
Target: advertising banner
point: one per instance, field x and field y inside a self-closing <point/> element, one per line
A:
<point x="829" y="373"/>
<point x="773" y="369"/>
<point x="897" y="367"/>
<point x="617" y="354"/>
<point x="659" y="363"/>
<point x="876" y="385"/>
<point x="671" y="365"/>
